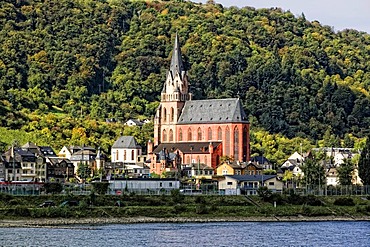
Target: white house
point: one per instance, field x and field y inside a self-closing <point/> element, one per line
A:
<point x="134" y="122"/>
<point x="143" y="186"/>
<point x="126" y="150"/>
<point x="248" y="184"/>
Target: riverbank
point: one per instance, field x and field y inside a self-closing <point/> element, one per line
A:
<point x="67" y="222"/>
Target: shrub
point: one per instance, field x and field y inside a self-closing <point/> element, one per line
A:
<point x="200" y="200"/>
<point x="313" y="201"/>
<point x="344" y="201"/>
<point x="100" y="187"/>
<point x="201" y="209"/>
<point x="264" y="193"/>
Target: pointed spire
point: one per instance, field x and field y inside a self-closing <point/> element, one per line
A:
<point x="176" y="60"/>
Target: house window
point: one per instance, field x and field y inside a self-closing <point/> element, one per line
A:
<point x="199" y="134"/>
<point x="170" y="184"/>
<point x="133" y="155"/>
<point x="189" y="134"/>
<point x="160" y="185"/>
<point x="180" y="135"/>
<point x="229" y="183"/>
<point x="209" y="134"/>
<point x="238" y="172"/>
<point x="271" y="183"/>
<point x="219" y="134"/>
<point x="117" y="155"/>
<point x="124" y="155"/>
<point x="224" y="172"/>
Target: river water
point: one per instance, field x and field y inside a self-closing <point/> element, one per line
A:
<point x="334" y="233"/>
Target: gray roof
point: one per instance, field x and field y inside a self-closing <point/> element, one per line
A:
<point x="126" y="142"/>
<point x="186" y="147"/>
<point x="243" y="178"/>
<point x="213" y="111"/>
<point x="176" y="60"/>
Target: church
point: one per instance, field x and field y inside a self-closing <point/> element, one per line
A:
<point x="191" y="132"/>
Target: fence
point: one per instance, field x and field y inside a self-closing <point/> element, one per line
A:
<point x="343" y="190"/>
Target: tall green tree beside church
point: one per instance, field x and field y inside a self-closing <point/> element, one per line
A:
<point x="364" y="163"/>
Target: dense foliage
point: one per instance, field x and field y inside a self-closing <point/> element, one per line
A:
<point x="364" y="163"/>
<point x="67" y="65"/>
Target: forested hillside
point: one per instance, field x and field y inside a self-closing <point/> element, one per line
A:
<point x="67" y="63"/>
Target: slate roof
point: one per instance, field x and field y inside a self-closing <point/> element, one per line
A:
<point x="47" y="151"/>
<point x="126" y="142"/>
<point x="213" y="111"/>
<point x="185" y="147"/>
<point x="176" y="60"/>
<point x="260" y="160"/>
<point x="243" y="178"/>
<point x="136" y="122"/>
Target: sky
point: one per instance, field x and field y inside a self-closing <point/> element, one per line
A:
<point x="340" y="14"/>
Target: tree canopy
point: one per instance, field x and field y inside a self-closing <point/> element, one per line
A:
<point x="68" y="64"/>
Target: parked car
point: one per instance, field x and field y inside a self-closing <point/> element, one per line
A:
<point x="69" y="203"/>
<point x="47" y="204"/>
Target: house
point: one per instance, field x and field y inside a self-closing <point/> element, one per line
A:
<point x="67" y="151"/>
<point x="134" y="122"/>
<point x="143" y="185"/>
<point x="125" y="149"/>
<point x="294" y="164"/>
<point x="253" y="169"/>
<point x="261" y="161"/>
<point x="332" y="177"/>
<point x="20" y="165"/>
<point x="249" y="184"/>
<point x="2" y="168"/>
<point x="198" y="171"/>
<point x="59" y="169"/>
<point x="170" y="157"/>
<point x="211" y="123"/>
<point x="84" y="156"/>
<point x="126" y="170"/>
<point x="231" y="168"/>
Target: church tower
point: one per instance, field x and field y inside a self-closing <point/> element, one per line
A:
<point x="174" y="94"/>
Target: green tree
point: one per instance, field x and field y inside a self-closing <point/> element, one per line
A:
<point x="83" y="171"/>
<point x="345" y="172"/>
<point x="364" y="163"/>
<point x="314" y="171"/>
<point x="264" y="193"/>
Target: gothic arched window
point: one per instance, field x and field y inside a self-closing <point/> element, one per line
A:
<point x="209" y="134"/>
<point x="170" y="136"/>
<point x="164" y="114"/>
<point x="199" y="134"/>
<point x="227" y="141"/>
<point x="172" y="114"/>
<point x="189" y="134"/>
<point x="164" y="136"/>
<point x="236" y="142"/>
<point x="219" y="134"/>
<point x="180" y="135"/>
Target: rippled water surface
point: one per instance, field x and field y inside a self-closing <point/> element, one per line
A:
<point x="195" y="234"/>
